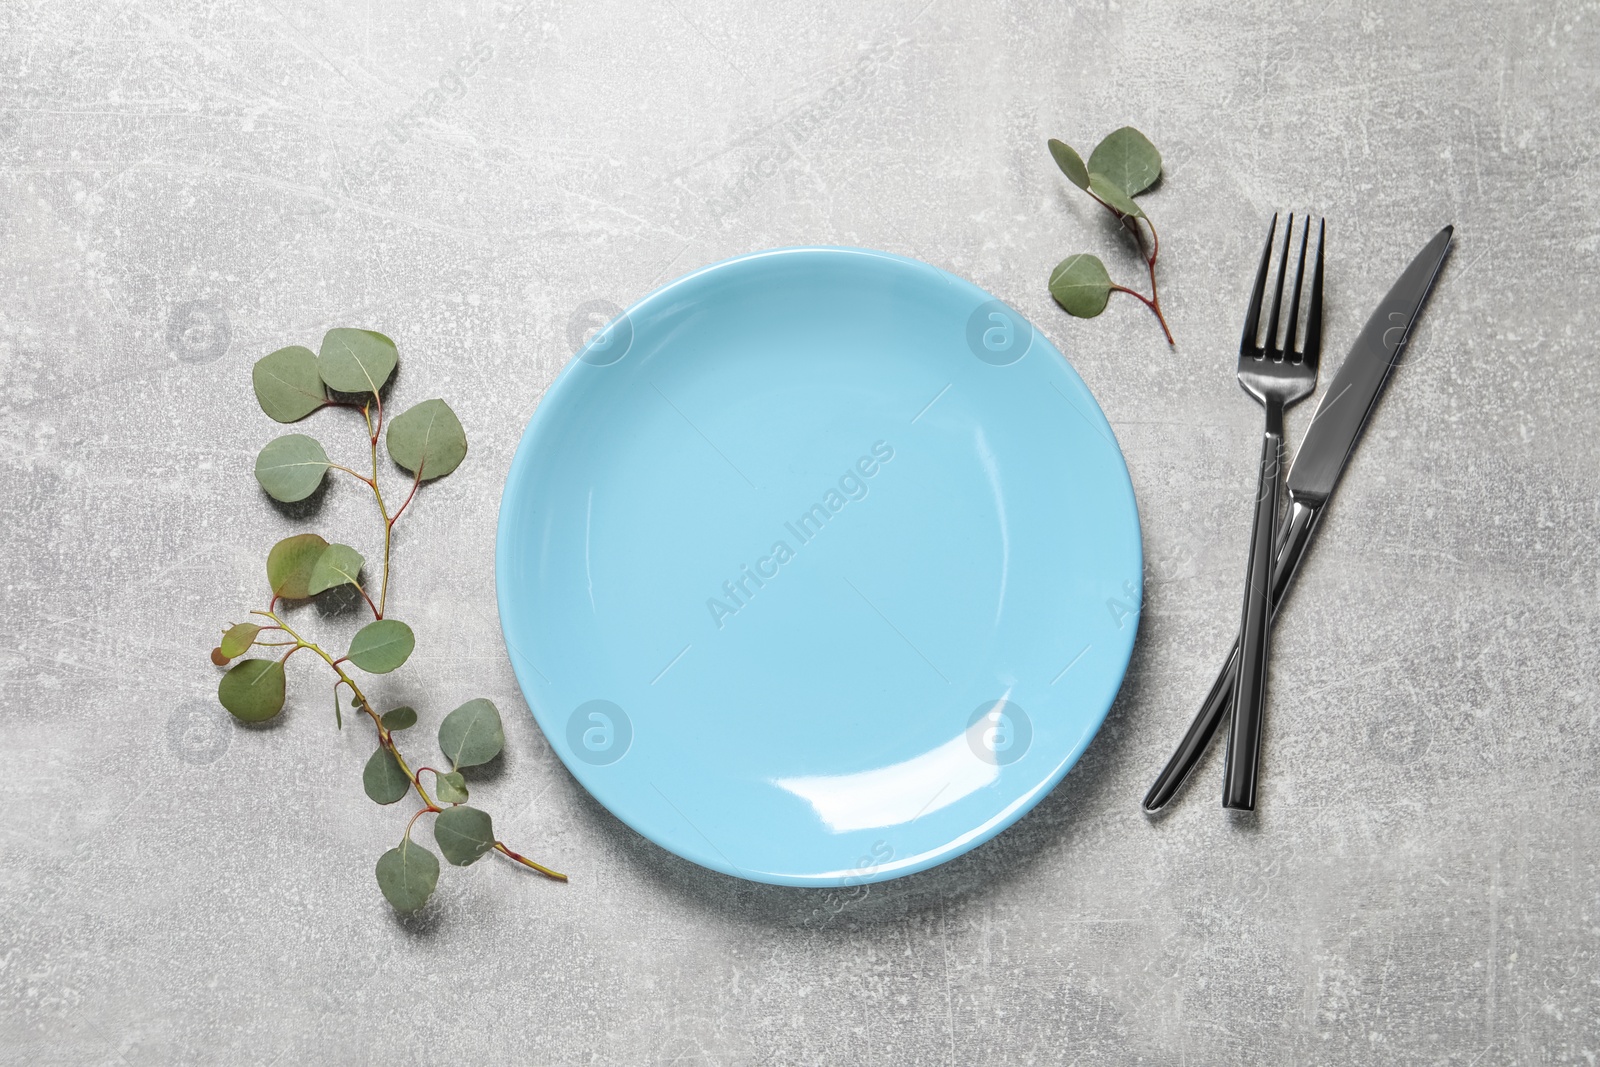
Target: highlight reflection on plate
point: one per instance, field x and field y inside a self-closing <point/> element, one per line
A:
<point x="819" y="566"/>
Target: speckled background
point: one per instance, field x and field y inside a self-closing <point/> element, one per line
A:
<point x="188" y="186"/>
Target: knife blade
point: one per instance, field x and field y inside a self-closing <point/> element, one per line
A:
<point x="1324" y="452"/>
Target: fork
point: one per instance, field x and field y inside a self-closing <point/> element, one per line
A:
<point x="1278" y="378"/>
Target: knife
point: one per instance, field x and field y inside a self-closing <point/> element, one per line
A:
<point x="1324" y="451"/>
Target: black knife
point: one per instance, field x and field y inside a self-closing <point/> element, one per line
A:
<point x="1324" y="450"/>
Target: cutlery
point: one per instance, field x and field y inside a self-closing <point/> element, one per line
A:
<point x="1277" y="378"/>
<point x="1346" y="406"/>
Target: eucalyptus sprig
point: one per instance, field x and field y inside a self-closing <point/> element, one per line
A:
<point x="1121" y="167"/>
<point x="350" y="371"/>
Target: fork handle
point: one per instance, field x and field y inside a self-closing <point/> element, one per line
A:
<point x="1242" y="762"/>
<point x="1293" y="539"/>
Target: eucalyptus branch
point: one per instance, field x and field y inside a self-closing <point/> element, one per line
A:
<point x="1121" y="167"/>
<point x="360" y="703"/>
<point x="291" y="384"/>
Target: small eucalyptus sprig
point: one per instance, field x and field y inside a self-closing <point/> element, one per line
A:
<point x="1121" y="167"/>
<point x="350" y="371"/>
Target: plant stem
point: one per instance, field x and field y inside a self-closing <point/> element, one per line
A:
<point x="386" y="739"/>
<point x="419" y="814"/>
<point x="1153" y="302"/>
<point x="362" y="478"/>
<point x="374" y="431"/>
<point x="499" y="846"/>
<point x="1150" y="265"/>
<point x="416" y="481"/>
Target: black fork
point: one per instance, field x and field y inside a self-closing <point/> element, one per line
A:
<point x="1278" y="377"/>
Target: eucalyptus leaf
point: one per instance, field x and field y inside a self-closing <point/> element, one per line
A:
<point x="1128" y="159"/>
<point x="288" y="386"/>
<point x="291" y="467"/>
<point x="1115" y="198"/>
<point x="464" y="834"/>
<point x="291" y="563"/>
<point x="452" y="788"/>
<point x="1081" y="285"/>
<point x="238" y="639"/>
<point x="428" y="438"/>
<point x="253" y="690"/>
<point x="401" y="718"/>
<point x="1070" y="162"/>
<point x="472" y="734"/>
<point x="382" y="646"/>
<point x="356" y="361"/>
<point x="383" y="779"/>
<point x="407" y="875"/>
<point x="338" y="565"/>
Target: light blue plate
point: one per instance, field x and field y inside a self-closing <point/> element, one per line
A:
<point x="819" y="566"/>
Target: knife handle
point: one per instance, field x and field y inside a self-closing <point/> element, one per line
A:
<point x="1241" y="764"/>
<point x="1293" y="541"/>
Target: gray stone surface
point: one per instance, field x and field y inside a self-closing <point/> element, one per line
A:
<point x="188" y="186"/>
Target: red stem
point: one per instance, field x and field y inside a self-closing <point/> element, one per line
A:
<point x="1147" y="302"/>
<point x="420" y="813"/>
<point x="1153" y="302"/>
<point x="414" y="483"/>
<point x="377" y="428"/>
<point x="370" y="604"/>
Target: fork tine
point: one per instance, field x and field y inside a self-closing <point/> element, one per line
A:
<point x="1252" y="317"/>
<point x="1294" y="304"/>
<point x="1277" y="297"/>
<point x="1314" y="315"/>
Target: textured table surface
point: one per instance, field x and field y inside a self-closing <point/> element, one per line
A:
<point x="187" y="187"/>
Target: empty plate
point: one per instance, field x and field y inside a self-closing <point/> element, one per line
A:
<point x="819" y="566"/>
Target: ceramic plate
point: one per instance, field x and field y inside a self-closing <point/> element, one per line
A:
<point x="819" y="566"/>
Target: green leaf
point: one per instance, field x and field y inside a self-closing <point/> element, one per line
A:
<point x="1081" y="285"/>
<point x="383" y="779"/>
<point x="238" y="639"/>
<point x="291" y="467"/>
<point x="401" y="718"/>
<point x="1128" y="159"/>
<point x="1115" y="198"/>
<point x="452" y="788"/>
<point x="428" y="438"/>
<point x="338" y="565"/>
<point x="291" y="563"/>
<point x="472" y="734"/>
<point x="380" y="647"/>
<point x="463" y="833"/>
<point x="407" y="875"/>
<point x="1070" y="162"/>
<point x="253" y="690"/>
<point x="356" y="361"/>
<point x="287" y="384"/>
